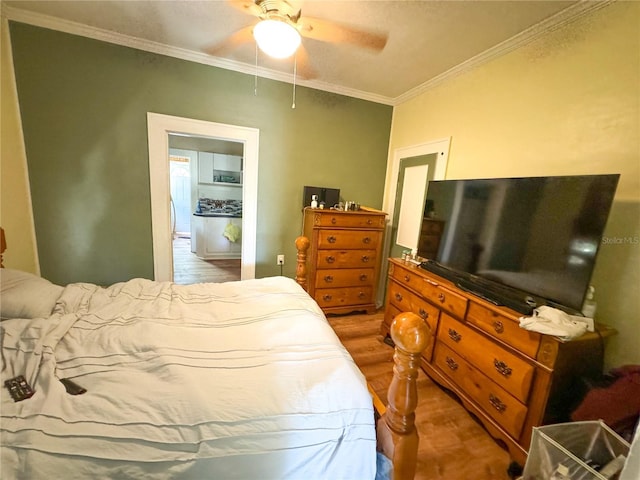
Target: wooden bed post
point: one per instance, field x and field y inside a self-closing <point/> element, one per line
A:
<point x="397" y="435"/>
<point x="396" y="431"/>
<point x="302" y="245"/>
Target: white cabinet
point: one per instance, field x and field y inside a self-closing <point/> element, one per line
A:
<point x="205" y="167"/>
<point x="227" y="163"/>
<point x="219" y="167"/>
<point x="210" y="240"/>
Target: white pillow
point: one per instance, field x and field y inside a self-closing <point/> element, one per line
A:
<point x="24" y="295"/>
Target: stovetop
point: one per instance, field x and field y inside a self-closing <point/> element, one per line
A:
<point x="211" y="207"/>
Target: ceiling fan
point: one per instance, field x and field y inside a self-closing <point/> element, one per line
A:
<point x="280" y="27"/>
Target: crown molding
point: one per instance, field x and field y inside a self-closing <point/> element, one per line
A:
<point x="61" y="25"/>
<point x="550" y="24"/>
<point x="554" y="22"/>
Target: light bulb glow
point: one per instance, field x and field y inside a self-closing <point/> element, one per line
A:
<point x="276" y="38"/>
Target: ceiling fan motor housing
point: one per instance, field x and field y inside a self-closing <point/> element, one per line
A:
<point x="278" y="9"/>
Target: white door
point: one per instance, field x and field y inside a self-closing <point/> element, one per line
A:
<point x="408" y="208"/>
<point x="180" y="180"/>
<point x="439" y="147"/>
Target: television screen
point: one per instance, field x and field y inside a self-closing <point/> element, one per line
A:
<point x="330" y="196"/>
<point x="536" y="235"/>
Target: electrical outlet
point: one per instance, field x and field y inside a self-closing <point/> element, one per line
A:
<point x="280" y="260"/>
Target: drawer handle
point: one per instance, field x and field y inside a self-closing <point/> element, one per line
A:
<point x="369" y="222"/>
<point x="326" y="297"/>
<point x="441" y="297"/>
<point x="451" y="363"/>
<point x="423" y="313"/>
<point x="365" y="258"/>
<point x="502" y="368"/>
<point x="497" y="403"/>
<point x="334" y="220"/>
<point x="498" y="326"/>
<point x="363" y="277"/>
<point x="366" y="240"/>
<point x="328" y="278"/>
<point x="455" y="336"/>
<point x="398" y="297"/>
<point x="407" y="278"/>
<point x="431" y="282"/>
<point x="331" y="259"/>
<point x="331" y="239"/>
<point x="362" y="295"/>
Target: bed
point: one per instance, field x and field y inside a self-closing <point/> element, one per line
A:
<point x="237" y="380"/>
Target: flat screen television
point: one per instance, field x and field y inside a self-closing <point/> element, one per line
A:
<point x="518" y="242"/>
<point x="330" y="196"/>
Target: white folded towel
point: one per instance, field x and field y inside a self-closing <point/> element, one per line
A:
<point x="551" y="321"/>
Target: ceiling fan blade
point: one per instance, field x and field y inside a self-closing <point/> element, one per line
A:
<point x="326" y="31"/>
<point x="240" y="37"/>
<point x="303" y="65"/>
<point x="246" y="6"/>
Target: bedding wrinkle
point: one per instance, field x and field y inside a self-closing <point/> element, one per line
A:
<point x="255" y="382"/>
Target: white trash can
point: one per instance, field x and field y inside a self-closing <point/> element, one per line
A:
<point x="575" y="451"/>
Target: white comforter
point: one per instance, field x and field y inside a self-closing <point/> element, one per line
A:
<point x="237" y="380"/>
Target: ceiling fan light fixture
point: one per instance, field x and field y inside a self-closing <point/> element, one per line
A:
<point x="276" y="38"/>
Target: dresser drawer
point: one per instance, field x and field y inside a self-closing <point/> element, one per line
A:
<point x="346" y="277"/>
<point x="444" y="298"/>
<point x="429" y="243"/>
<point x="440" y="296"/>
<point x="338" y="297"/>
<point x="407" y="301"/>
<point x="348" y="220"/>
<point x="342" y="239"/>
<point x="406" y="277"/>
<point x="509" y="371"/>
<point x="505" y="329"/>
<point x="346" y="258"/>
<point x="431" y="227"/>
<point x="495" y="401"/>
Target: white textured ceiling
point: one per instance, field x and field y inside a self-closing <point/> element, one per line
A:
<point x="427" y="40"/>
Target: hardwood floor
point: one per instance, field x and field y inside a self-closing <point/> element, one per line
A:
<point x="453" y="445"/>
<point x="188" y="268"/>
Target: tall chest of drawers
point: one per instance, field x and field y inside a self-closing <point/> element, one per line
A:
<point x="343" y="261"/>
<point x="511" y="379"/>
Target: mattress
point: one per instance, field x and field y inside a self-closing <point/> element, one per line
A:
<point x="240" y="380"/>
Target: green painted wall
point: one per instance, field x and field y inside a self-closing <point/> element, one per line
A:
<point x="84" y="105"/>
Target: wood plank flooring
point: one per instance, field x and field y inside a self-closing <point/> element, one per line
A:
<point x="453" y="445"/>
<point x="188" y="268"/>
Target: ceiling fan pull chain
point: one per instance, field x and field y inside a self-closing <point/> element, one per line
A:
<point x="295" y="68"/>
<point x="255" y="79"/>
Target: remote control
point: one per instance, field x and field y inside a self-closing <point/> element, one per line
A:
<point x="19" y="388"/>
<point x="72" y="387"/>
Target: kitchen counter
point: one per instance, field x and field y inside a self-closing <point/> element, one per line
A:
<point x="218" y="214"/>
<point x="211" y="243"/>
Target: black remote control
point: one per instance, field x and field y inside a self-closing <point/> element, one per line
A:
<point x="19" y="388"/>
<point x="72" y="387"/>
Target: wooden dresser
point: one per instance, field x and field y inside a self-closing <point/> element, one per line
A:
<point x="430" y="235"/>
<point x="343" y="262"/>
<point x="511" y="379"/>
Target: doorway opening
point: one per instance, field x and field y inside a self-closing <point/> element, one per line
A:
<point x="163" y="130"/>
<point x="205" y="177"/>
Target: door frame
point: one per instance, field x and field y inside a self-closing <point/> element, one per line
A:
<point x="441" y="147"/>
<point x="159" y="128"/>
<point x="422" y="160"/>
